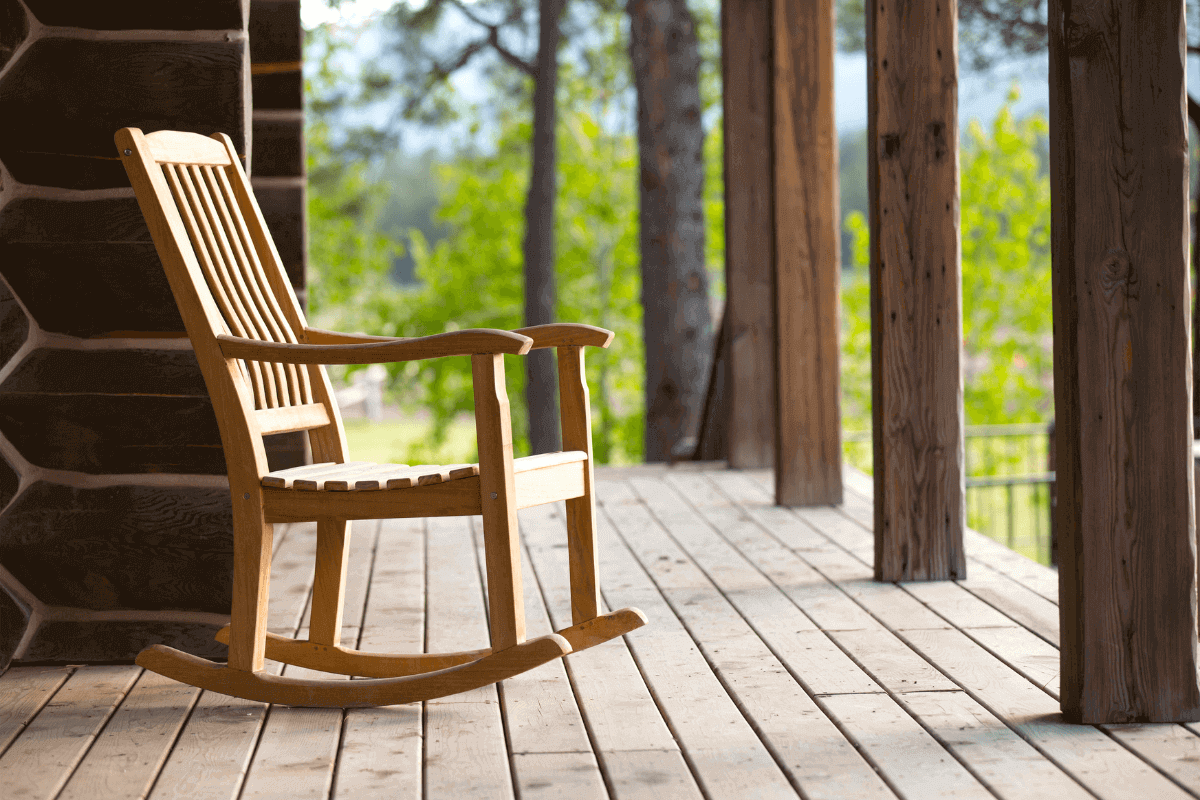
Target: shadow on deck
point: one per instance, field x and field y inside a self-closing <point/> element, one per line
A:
<point x="772" y="666"/>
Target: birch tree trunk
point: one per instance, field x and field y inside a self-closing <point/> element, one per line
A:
<point x="677" y="322"/>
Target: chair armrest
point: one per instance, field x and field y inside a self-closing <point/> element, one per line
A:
<point x="319" y="336"/>
<point x="567" y="334"/>
<point x="456" y="343"/>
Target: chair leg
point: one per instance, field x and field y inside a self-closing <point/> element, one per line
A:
<point x="581" y="511"/>
<point x="493" y="427"/>
<point x="252" y="545"/>
<point x="329" y="581"/>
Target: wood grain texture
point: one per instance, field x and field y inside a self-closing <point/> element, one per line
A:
<point x="498" y="497"/>
<point x="23" y="693"/>
<point x="1122" y="364"/>
<point x="126" y="758"/>
<point x="749" y="233"/>
<point x="41" y="760"/>
<point x="916" y="296"/>
<point x="808" y="429"/>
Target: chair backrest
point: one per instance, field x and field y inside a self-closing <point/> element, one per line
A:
<point x="227" y="278"/>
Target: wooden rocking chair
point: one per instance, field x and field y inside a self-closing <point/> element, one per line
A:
<point x="263" y="368"/>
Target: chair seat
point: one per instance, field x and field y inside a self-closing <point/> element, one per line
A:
<point x="366" y="476"/>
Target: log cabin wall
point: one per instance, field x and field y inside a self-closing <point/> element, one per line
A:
<point x="115" y="528"/>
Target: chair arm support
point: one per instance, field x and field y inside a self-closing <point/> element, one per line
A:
<point x="456" y="343"/>
<point x="567" y="334"/>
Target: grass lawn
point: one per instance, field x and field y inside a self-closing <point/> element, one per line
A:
<point x="405" y="441"/>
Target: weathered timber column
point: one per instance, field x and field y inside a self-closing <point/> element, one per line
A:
<point x="808" y="428"/>
<point x="916" y="299"/>
<point x="1122" y="362"/>
<point x="746" y="42"/>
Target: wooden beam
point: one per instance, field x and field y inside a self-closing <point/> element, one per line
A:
<point x="1122" y="362"/>
<point x="916" y="299"/>
<point x="749" y="234"/>
<point x="808" y="428"/>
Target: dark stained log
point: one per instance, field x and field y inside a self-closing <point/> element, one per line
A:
<point x="10" y="482"/>
<point x="112" y="411"/>
<point x="69" y="641"/>
<point x="916" y="296"/>
<point x="276" y="36"/>
<point x="808" y="429"/>
<point x="14" y="616"/>
<point x="746" y="44"/>
<point x="1122" y="369"/>
<point x="676" y="320"/>
<point x="121" y="547"/>
<point x="286" y="450"/>
<point x="273" y="90"/>
<point x="283" y="210"/>
<point x="14" y="326"/>
<point x="32" y="219"/>
<point x="278" y="148"/>
<point x="71" y="94"/>
<point x="14" y="27"/>
<point x="86" y="289"/>
<point x="140" y="15"/>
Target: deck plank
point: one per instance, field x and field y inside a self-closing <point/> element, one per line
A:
<point x="1002" y="760"/>
<point x="1101" y="764"/>
<point x="212" y="755"/>
<point x="40" y="761"/>
<point x="23" y="693"/>
<point x="465" y="752"/>
<point x="128" y="755"/>
<point x="1174" y="749"/>
<point x="381" y="751"/>
<point x="298" y="747"/>
<point x="913" y="762"/>
<point x="816" y="756"/>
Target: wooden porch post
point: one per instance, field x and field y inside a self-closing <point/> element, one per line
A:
<point x="782" y="245"/>
<point x="749" y="233"/>
<point x="808" y="429"/>
<point x="1122" y="362"/>
<point x="916" y="299"/>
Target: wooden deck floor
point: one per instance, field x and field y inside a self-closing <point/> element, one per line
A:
<point x="772" y="667"/>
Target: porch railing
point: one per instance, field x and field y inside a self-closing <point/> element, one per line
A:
<point x="1009" y="483"/>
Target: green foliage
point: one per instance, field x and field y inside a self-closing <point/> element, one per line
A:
<point x="472" y="278"/>
<point x="1007" y="327"/>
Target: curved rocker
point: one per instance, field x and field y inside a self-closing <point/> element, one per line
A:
<point x="266" y="688"/>
<point x="346" y="661"/>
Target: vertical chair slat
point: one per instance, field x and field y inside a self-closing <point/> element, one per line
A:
<point x="254" y="266"/>
<point x="268" y="328"/>
<point x="241" y="294"/>
<point x="215" y="285"/>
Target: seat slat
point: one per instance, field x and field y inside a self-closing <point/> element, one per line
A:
<point x="364" y="476"/>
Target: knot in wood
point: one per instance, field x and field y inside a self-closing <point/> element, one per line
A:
<point x="889" y="145"/>
<point x="1080" y="35"/>
<point x="1117" y="274"/>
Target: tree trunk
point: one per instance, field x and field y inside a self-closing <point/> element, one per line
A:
<point x="677" y="322"/>
<point x="541" y="398"/>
